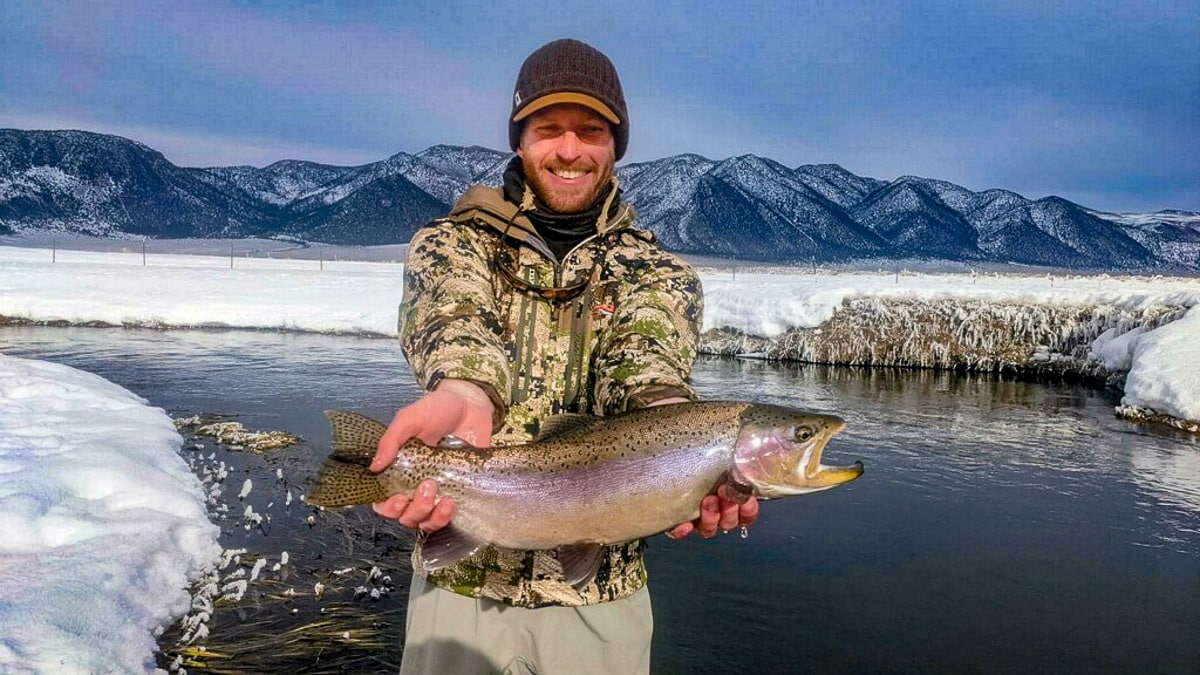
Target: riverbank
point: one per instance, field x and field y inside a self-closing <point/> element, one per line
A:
<point x="1128" y="331"/>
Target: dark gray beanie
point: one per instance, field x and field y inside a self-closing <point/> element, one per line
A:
<point x="569" y="71"/>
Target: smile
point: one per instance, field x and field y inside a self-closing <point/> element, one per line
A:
<point x="563" y="173"/>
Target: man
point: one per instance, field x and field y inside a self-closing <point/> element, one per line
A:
<point x="537" y="298"/>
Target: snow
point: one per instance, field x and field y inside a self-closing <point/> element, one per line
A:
<point x="104" y="525"/>
<point x="362" y="297"/>
<point x="1164" y="373"/>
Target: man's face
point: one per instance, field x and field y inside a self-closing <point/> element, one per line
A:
<point x="568" y="152"/>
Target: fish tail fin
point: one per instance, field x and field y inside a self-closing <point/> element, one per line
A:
<point x="342" y="483"/>
<point x="355" y="436"/>
<point x="344" y="479"/>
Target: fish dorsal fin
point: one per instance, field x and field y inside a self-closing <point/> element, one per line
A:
<point x="448" y="546"/>
<point x="564" y="423"/>
<point x="580" y="563"/>
<point x="355" y="436"/>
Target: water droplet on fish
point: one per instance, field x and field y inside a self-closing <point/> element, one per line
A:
<point x="745" y="532"/>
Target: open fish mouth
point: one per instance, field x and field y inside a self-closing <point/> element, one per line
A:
<point x="783" y="457"/>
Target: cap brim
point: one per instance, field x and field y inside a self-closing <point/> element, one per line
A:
<point x="567" y="97"/>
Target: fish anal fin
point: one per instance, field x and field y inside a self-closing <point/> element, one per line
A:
<point x="342" y="483"/>
<point x="448" y="546"/>
<point x="580" y="563"/>
<point x="355" y="437"/>
<point x="563" y="423"/>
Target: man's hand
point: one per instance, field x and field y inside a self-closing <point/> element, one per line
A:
<point x="717" y="512"/>
<point x="455" y="408"/>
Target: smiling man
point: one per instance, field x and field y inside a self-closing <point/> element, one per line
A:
<point x="537" y="298"/>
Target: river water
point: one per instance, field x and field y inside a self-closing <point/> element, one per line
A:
<point x="1001" y="525"/>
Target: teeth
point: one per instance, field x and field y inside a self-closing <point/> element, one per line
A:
<point x="562" y="173"/>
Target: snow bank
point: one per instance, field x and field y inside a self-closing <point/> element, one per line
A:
<point x="1164" y="370"/>
<point x="103" y="525"/>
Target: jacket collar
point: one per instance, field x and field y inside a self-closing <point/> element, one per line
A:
<point x="487" y="205"/>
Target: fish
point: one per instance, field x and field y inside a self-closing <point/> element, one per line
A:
<point x="586" y="482"/>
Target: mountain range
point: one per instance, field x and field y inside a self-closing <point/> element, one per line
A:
<point x="747" y="207"/>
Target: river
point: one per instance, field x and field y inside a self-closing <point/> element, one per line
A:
<point x="1001" y="525"/>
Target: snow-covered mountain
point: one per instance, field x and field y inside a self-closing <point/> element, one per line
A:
<point x="744" y="207"/>
<point x="106" y="185"/>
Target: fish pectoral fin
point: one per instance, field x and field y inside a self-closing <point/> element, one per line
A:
<point x="580" y="563"/>
<point x="448" y="546"/>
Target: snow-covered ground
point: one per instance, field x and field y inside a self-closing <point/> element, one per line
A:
<point x="102" y="524"/>
<point x="362" y="297"/>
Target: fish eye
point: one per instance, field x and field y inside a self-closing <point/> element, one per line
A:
<point x="805" y="432"/>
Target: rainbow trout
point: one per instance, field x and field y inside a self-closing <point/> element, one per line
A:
<point x="586" y="481"/>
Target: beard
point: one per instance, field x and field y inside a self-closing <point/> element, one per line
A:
<point x="568" y="199"/>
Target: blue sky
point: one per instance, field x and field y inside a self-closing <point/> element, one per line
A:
<point x="1094" y="101"/>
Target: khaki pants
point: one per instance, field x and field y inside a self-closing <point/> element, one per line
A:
<point x="453" y="634"/>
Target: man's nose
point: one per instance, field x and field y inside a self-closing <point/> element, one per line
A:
<point x="569" y="147"/>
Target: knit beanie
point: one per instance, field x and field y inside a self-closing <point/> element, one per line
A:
<point x="569" y="71"/>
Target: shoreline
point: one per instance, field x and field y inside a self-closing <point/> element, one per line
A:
<point x="911" y="334"/>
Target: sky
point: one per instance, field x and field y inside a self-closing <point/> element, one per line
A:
<point x="1097" y="102"/>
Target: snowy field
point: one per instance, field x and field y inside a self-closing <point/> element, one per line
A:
<point x="99" y="511"/>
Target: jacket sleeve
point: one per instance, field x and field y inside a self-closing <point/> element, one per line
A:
<point x="449" y="322"/>
<point x="648" y="350"/>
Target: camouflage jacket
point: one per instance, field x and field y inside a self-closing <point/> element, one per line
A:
<point x="627" y="338"/>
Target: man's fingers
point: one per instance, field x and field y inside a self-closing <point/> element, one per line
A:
<point x="681" y="531"/>
<point x="710" y="515"/>
<point x="729" y="515"/>
<point x="748" y="512"/>
<point x="421" y="506"/>
<point x="385" y="454"/>
<point x="398" y="432"/>
<point x="442" y="512"/>
<point x="392" y="507"/>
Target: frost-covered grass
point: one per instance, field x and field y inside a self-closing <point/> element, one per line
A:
<point x="981" y="321"/>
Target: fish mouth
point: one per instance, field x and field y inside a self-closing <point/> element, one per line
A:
<point x="782" y="467"/>
<point x="812" y="475"/>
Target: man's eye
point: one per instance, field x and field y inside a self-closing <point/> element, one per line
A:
<point x="593" y="133"/>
